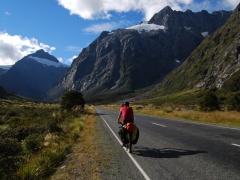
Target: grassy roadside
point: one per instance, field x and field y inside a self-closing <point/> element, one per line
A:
<point x="226" y="118"/>
<point x="40" y="142"/>
<point x="93" y="155"/>
<point x="83" y="161"/>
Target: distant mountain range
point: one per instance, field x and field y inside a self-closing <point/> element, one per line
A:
<point x="33" y="75"/>
<point x="174" y="50"/>
<point x="125" y="60"/>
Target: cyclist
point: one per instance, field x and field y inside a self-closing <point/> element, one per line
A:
<point x="126" y="112"/>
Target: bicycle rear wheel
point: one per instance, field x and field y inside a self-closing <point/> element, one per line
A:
<point x="130" y="142"/>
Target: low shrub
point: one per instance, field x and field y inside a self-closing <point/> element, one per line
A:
<point x="234" y="102"/>
<point x="53" y="126"/>
<point x="209" y="102"/>
<point x="33" y="143"/>
<point x="10" y="158"/>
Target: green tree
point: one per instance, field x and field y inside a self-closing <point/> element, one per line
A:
<point x="71" y="99"/>
<point x="209" y="102"/>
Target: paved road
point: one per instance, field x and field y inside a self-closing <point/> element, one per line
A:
<point x="174" y="149"/>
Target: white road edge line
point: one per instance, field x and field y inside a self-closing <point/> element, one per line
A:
<point x="236" y="145"/>
<point x="159" y="124"/>
<point x="132" y="158"/>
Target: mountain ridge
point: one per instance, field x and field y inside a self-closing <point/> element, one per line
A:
<point x="125" y="60"/>
<point x="213" y="64"/>
<point x="33" y="75"/>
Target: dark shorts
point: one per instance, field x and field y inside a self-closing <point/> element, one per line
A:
<point x="127" y="121"/>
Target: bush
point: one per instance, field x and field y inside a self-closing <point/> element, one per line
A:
<point x="72" y="99"/>
<point x="9" y="147"/>
<point x="21" y="133"/>
<point x="209" y="102"/>
<point x="10" y="150"/>
<point x="53" y="126"/>
<point x="33" y="143"/>
<point x="234" y="102"/>
<point x="7" y="116"/>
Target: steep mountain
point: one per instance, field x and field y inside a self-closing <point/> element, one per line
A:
<point x="33" y="75"/>
<point x="199" y="21"/>
<point x="214" y="64"/>
<point x="126" y="60"/>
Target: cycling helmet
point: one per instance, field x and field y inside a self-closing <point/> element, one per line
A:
<point x="126" y="103"/>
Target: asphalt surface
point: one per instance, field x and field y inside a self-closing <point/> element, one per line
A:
<point x="176" y="149"/>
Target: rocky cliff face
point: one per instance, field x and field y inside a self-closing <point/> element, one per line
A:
<point x="129" y="59"/>
<point x="200" y="21"/>
<point x="214" y="64"/>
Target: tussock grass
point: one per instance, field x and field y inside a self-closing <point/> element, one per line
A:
<point x="82" y="162"/>
<point x="228" y="118"/>
<point x="217" y="117"/>
<point x="38" y="137"/>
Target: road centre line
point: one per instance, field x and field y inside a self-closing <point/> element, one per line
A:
<point x="132" y="158"/>
<point x="159" y="124"/>
<point x="236" y="145"/>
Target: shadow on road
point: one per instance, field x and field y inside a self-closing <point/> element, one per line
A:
<point x="163" y="153"/>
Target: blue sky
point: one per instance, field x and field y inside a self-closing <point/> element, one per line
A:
<point x="64" y="27"/>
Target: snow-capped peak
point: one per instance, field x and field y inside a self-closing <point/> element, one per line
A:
<point x="146" y="27"/>
<point x="48" y="62"/>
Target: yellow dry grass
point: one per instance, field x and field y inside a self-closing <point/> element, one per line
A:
<point x="228" y="118"/>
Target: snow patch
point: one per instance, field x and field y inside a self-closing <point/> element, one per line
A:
<point x="177" y="61"/>
<point x="205" y="34"/>
<point x="48" y="62"/>
<point x="146" y="27"/>
<point x="188" y="28"/>
<point x="106" y="45"/>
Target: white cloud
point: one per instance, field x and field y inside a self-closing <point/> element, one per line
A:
<point x="90" y="9"/>
<point x="231" y="3"/>
<point x="68" y="61"/>
<point x="7" y="13"/>
<point x="210" y="5"/>
<point x="98" y="28"/>
<point x="73" y="48"/>
<point x="200" y="5"/>
<point x="15" y="47"/>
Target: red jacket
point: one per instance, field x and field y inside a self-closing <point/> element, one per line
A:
<point x="127" y="113"/>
